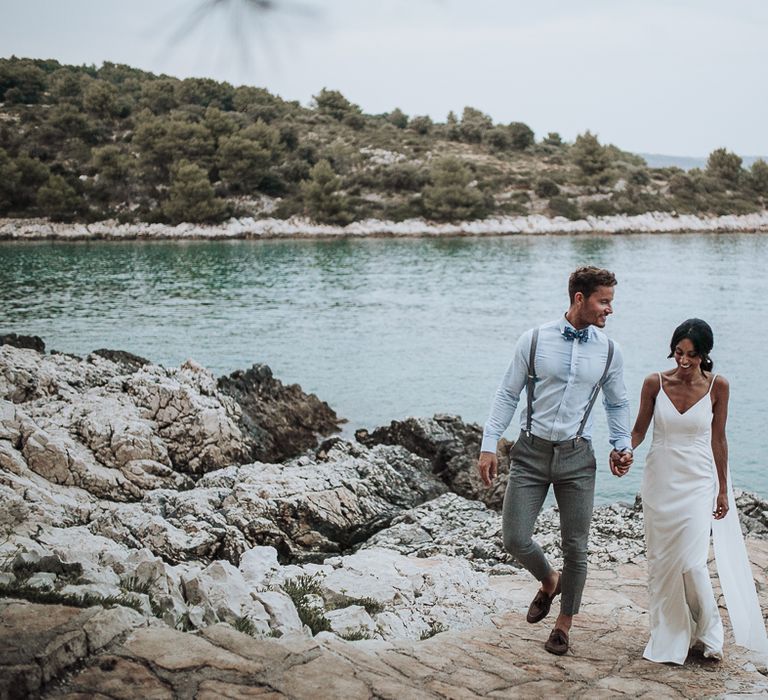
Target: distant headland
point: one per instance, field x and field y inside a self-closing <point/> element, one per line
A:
<point x="86" y="144"/>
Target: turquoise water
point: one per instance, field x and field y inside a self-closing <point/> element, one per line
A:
<point x="386" y="328"/>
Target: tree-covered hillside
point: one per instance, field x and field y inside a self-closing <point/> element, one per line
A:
<point x="87" y="143"/>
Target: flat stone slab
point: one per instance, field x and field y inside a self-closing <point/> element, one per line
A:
<point x="504" y="660"/>
<point x="499" y="660"/>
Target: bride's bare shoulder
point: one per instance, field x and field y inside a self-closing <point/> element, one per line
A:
<point x="652" y="383"/>
<point x="720" y="383"/>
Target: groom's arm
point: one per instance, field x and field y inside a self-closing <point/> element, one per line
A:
<point x="504" y="406"/>
<point x="616" y="406"/>
<point x="507" y="395"/>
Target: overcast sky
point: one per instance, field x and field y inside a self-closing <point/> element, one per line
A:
<point x="679" y="77"/>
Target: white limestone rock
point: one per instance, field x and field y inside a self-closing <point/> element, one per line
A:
<point x="283" y="616"/>
<point x="115" y="432"/>
<point x="42" y="580"/>
<point x="222" y="588"/>
<point x="370" y="573"/>
<point x="107" y="624"/>
<point x="257" y="563"/>
<point x="351" y="620"/>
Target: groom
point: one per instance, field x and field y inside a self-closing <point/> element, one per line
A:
<point x="562" y="365"/>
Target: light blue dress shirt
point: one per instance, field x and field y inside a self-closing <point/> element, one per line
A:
<point x="566" y="372"/>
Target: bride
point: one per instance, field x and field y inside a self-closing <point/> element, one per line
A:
<point x="686" y="495"/>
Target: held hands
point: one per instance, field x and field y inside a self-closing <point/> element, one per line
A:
<point x="620" y="462"/>
<point x="488" y="466"/>
<point x="721" y="505"/>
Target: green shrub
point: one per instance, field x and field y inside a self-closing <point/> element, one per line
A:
<point x="398" y="118"/>
<point x="403" y="177"/>
<point x="191" y="197"/>
<point x="598" y="207"/>
<point x="421" y="125"/>
<point x="552" y="139"/>
<point x="724" y="165"/>
<point x="451" y="196"/>
<point x="354" y="120"/>
<point x="9" y="182"/>
<point x="497" y="139"/>
<point x="434" y="628"/>
<point x="562" y="206"/>
<point x="758" y="176"/>
<point x="633" y="201"/>
<point x="521" y="135"/>
<point x="322" y="200"/>
<point x="334" y="104"/>
<point x="639" y="177"/>
<point x="205" y="92"/>
<point x="244" y="158"/>
<point x="401" y="210"/>
<point x="681" y="185"/>
<point x="159" y="96"/>
<point x="58" y="199"/>
<point x="473" y="125"/>
<point x="587" y="153"/>
<point x="546" y="187"/>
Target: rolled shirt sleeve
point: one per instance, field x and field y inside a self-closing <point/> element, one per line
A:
<point x="616" y="404"/>
<point x="508" y="394"/>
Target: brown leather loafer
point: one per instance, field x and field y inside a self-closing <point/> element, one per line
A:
<point x="557" y="642"/>
<point x="540" y="605"/>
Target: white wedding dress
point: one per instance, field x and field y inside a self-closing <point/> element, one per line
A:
<point x="679" y="492"/>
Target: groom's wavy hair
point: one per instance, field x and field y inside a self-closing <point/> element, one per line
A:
<point x="587" y="279"/>
<point x="700" y="334"/>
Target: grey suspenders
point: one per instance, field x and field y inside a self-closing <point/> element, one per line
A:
<point x="532" y="381"/>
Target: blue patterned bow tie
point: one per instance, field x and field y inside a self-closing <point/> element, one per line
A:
<point x="572" y="334"/>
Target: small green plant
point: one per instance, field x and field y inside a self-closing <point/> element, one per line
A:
<point x="302" y="585"/>
<point x="134" y="584"/>
<point x="314" y="618"/>
<point x="87" y="600"/>
<point x="434" y="628"/>
<point x="157" y="609"/>
<point x="298" y="589"/>
<point x="357" y="635"/>
<point x="372" y="607"/>
<point x="184" y="623"/>
<point x="245" y="625"/>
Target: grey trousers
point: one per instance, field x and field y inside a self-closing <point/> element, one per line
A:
<point x="570" y="467"/>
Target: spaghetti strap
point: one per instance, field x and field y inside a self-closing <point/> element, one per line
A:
<point x="711" y="384"/>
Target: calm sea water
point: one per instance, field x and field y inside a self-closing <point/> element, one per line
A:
<point x="387" y="328"/>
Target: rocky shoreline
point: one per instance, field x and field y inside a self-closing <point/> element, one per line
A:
<point x="297" y="227"/>
<point x="148" y="512"/>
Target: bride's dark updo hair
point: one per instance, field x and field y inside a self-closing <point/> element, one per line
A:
<point x="700" y="334"/>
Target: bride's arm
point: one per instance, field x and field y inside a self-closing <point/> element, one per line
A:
<point x="720" y="394"/>
<point x="648" y="395"/>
